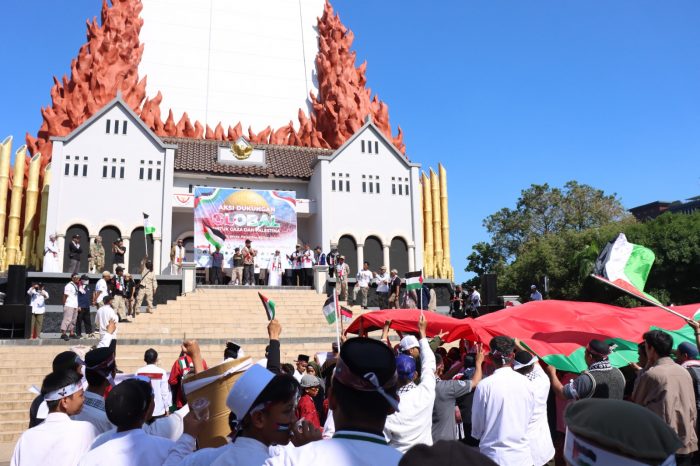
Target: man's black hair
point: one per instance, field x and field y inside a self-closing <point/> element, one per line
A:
<point x="438" y="359"/>
<point x="501" y="348"/>
<point x="64" y="361"/>
<point x="660" y="341"/>
<point x="287" y="368"/>
<point x="94" y="378"/>
<point x="58" y="380"/>
<point x="128" y="402"/>
<point x="150" y="356"/>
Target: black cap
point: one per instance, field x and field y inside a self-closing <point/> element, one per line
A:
<point x="66" y="360"/>
<point x="128" y="402"/>
<point x="365" y="355"/>
<point x="623" y="428"/>
<point x="247" y="241"/>
<point x="444" y="452"/>
<point x="599" y="348"/>
<point x="100" y="360"/>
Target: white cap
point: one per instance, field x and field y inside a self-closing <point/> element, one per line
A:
<point x="244" y="392"/>
<point x="408" y="342"/>
<point x="533" y="287"/>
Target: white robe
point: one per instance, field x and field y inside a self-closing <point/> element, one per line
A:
<point x="136" y="448"/>
<point x="275" y="270"/>
<point x="57" y="441"/>
<point x="541" y="446"/>
<point x="245" y="451"/>
<point x="362" y="449"/>
<point x="52" y="257"/>
<point x="502" y="409"/>
<point x="413" y="423"/>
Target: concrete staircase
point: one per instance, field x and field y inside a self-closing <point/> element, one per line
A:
<point x="212" y="316"/>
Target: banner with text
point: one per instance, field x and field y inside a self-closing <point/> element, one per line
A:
<point x="225" y="217"/>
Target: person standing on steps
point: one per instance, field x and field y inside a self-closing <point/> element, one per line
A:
<point x="119" y="250"/>
<point x="70" y="307"/>
<point x="97" y="256"/>
<point x="217" y="262"/>
<point x="342" y="271"/>
<point x="249" y="263"/>
<point x="84" y="301"/>
<point x="74" y="252"/>
<point x="237" y="271"/>
<point x="147" y="288"/>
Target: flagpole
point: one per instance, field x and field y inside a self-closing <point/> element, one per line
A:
<point x="646" y="300"/>
<point x="337" y="317"/>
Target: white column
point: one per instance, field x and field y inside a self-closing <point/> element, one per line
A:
<point x="61" y="246"/>
<point x="126" y="256"/>
<point x="411" y="258"/>
<point x="386" y="258"/>
<point x="156" y="255"/>
<point x="360" y="257"/>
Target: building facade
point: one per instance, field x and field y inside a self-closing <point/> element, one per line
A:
<point x="363" y="197"/>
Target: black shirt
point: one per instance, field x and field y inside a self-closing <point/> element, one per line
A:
<point x="238" y="260"/>
<point x="395" y="283"/>
<point x="119" y="257"/>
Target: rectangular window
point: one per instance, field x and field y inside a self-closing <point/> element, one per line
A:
<point x="406" y="190"/>
<point x="369" y="147"/>
<point x="400" y="191"/>
<point x="393" y="188"/>
<point x="114" y="171"/>
<point x="124" y="127"/>
<point x="340" y="185"/>
<point x="332" y="185"/>
<point x="141" y="176"/>
<point x="363" y="145"/>
<point x="75" y="169"/>
<point x="190" y="188"/>
<point x="376" y="147"/>
<point x="107" y="126"/>
<point x="67" y="170"/>
<point x="121" y="172"/>
<point x="364" y="186"/>
<point x="104" y="171"/>
<point x="371" y="187"/>
<point x="158" y="174"/>
<point x="150" y="174"/>
<point x="347" y="186"/>
<point x="376" y="185"/>
<point x="116" y="126"/>
<point x="85" y="170"/>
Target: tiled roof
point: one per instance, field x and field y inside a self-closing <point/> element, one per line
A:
<point x="200" y="155"/>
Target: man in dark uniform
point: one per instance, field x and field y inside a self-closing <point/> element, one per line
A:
<point x="601" y="380"/>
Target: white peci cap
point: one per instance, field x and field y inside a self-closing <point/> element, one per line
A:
<point x="408" y="342"/>
<point x="245" y="391"/>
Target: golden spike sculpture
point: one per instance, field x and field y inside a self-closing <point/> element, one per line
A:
<point x="41" y="235"/>
<point x="13" y="252"/>
<point x="437" y="223"/>
<point x="428" y="251"/>
<point x="447" y="265"/>
<point x="5" y="153"/>
<point x="30" y="204"/>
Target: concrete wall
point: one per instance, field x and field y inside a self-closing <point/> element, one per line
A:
<point x="228" y="61"/>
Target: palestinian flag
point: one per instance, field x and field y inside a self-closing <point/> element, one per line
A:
<point x="330" y="308"/>
<point x="269" y="306"/>
<point x="345" y="314"/>
<point x="625" y="266"/>
<point x="148" y="229"/>
<point x="214" y="236"/>
<point x="559" y="331"/>
<point x="414" y="280"/>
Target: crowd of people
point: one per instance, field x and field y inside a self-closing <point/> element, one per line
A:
<point x="370" y="402"/>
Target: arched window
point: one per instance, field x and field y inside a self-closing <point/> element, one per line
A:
<point x="84" y="246"/>
<point x="398" y="256"/>
<point x="137" y="250"/>
<point x="109" y="235"/>
<point x="373" y="253"/>
<point x="348" y="247"/>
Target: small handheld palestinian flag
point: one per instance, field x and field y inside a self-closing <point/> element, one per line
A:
<point x="414" y="280"/>
<point x="330" y="309"/>
<point x="215" y="237"/>
<point x="269" y="306"/>
<point x="625" y="266"/>
<point x="148" y="229"/>
<point x="345" y="314"/>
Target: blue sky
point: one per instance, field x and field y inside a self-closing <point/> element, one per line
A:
<point x="504" y="94"/>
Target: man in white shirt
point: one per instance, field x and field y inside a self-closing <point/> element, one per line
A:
<point x="37" y="300"/>
<point x="70" y="307"/>
<point x="474" y="302"/>
<point x="100" y="369"/>
<point x="159" y="382"/>
<point x="101" y="288"/>
<point x="302" y="361"/>
<point x="128" y="406"/>
<point x="502" y="409"/>
<point x="413" y="421"/>
<point x="342" y="271"/>
<point x="383" y="279"/>
<point x="541" y="446"/>
<point x="104" y="315"/>
<point x="58" y="441"/>
<point x="363" y="393"/>
<point x="535" y="295"/>
<point x="364" y="277"/>
<point x="307" y="266"/>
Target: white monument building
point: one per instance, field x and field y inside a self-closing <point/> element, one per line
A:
<point x="363" y="198"/>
